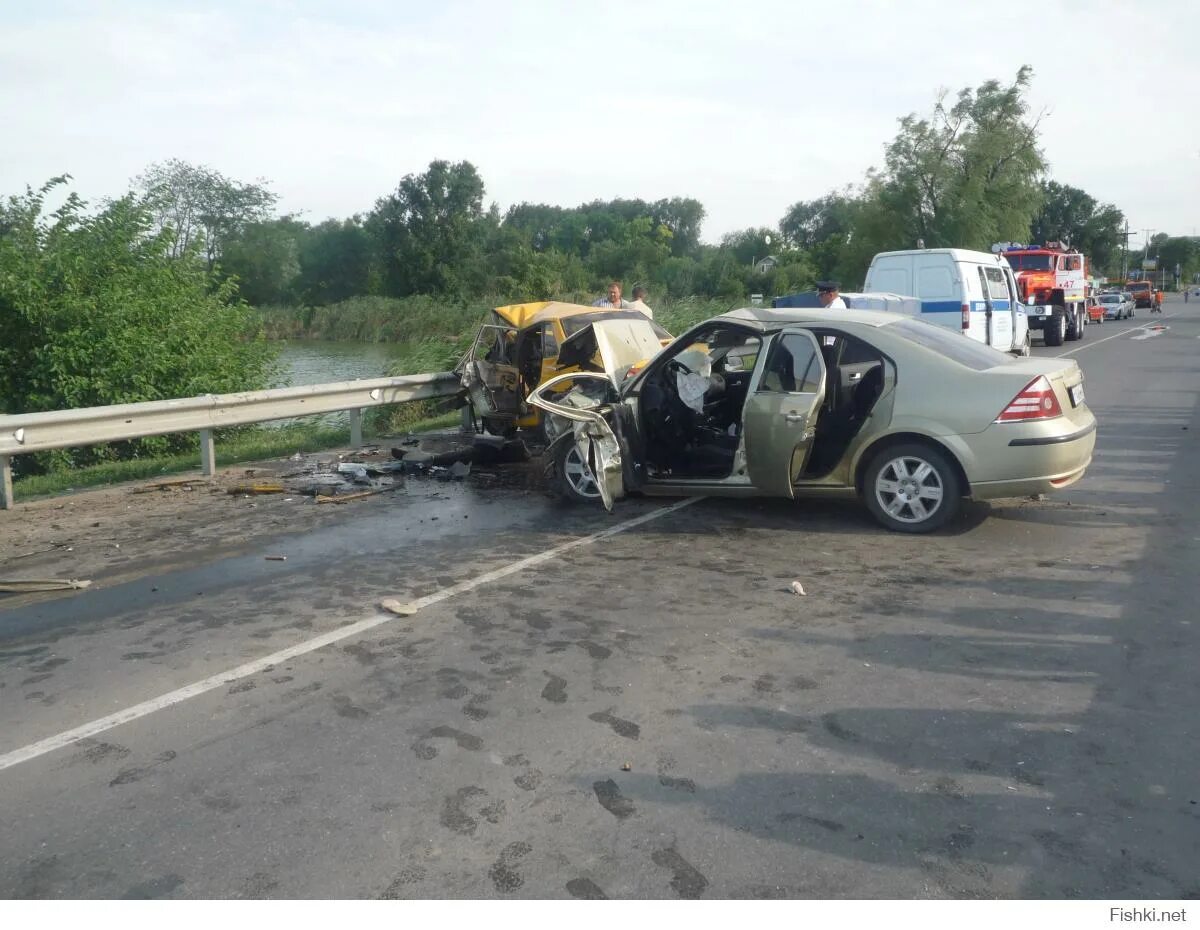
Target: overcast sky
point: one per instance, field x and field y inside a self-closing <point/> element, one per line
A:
<point x="746" y="106"/>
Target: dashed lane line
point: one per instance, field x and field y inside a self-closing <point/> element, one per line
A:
<point x="1124" y="332"/>
<point x="163" y="701"/>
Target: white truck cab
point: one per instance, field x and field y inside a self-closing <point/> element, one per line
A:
<point x="971" y="292"/>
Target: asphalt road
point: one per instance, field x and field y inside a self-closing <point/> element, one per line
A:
<point x="1003" y="709"/>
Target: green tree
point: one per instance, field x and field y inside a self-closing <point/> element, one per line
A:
<point x="430" y="232"/>
<point x="337" y="261"/>
<point x="197" y="206"/>
<point x="264" y="258"/>
<point x="1074" y="215"/>
<point x="967" y="176"/>
<point x="94" y="311"/>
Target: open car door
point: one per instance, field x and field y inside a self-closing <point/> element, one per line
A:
<point x="780" y="415"/>
<point x="489" y="372"/>
<point x="587" y="408"/>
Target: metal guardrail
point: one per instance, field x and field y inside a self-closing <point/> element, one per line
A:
<point x="60" y="429"/>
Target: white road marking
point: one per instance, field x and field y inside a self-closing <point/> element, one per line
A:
<point x="66" y="738"/>
<point x="1150" y="331"/>
<point x="1124" y="332"/>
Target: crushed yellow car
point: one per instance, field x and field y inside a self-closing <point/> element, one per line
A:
<point x="523" y="345"/>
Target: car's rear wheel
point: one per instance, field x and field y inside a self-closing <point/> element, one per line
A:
<point x="912" y="488"/>
<point x="1056" y="330"/>
<point x="574" y="476"/>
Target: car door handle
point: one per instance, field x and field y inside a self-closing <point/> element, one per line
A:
<point x="856" y="376"/>
<point x="795" y="417"/>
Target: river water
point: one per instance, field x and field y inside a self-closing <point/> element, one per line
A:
<point x="319" y="361"/>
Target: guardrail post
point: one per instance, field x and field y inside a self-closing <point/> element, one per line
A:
<point x="355" y="427"/>
<point x="6" y="491"/>
<point x="208" y="453"/>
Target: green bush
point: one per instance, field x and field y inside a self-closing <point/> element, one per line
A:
<point x="93" y="311"/>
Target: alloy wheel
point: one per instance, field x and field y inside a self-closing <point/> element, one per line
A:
<point x="579" y="476"/>
<point x="909" y="489"/>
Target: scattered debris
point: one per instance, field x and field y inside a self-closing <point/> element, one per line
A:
<point x="798" y="588"/>
<point x="182" y="483"/>
<point x="391" y="605"/>
<point x="275" y="558"/>
<point x="343" y="498"/>
<point x="261" y="487"/>
<point x="356" y="471"/>
<point x="626" y="767"/>
<point x="27" y="585"/>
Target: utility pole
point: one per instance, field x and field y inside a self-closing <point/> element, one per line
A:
<point x="1125" y="251"/>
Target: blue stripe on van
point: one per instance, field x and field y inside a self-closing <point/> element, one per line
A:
<point x="955" y="306"/>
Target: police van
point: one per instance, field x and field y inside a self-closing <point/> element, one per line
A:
<point x="971" y="292"/>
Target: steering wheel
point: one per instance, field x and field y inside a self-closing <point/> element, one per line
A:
<point x="676" y="364"/>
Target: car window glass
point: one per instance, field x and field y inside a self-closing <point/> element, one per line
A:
<point x="549" y="342"/>
<point x="952" y="345"/>
<point x="496" y="344"/>
<point x="856" y="352"/>
<point x="997" y="288"/>
<point x="792" y="366"/>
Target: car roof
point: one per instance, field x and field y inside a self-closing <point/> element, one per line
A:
<point x="522" y="315"/>
<point x="968" y="255"/>
<point x="769" y="318"/>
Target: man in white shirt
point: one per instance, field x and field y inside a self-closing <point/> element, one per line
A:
<point x="639" y="301"/>
<point x="827" y="294"/>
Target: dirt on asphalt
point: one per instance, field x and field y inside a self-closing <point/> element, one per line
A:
<point x="113" y="534"/>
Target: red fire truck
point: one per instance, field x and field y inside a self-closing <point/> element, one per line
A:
<point x="1052" y="281"/>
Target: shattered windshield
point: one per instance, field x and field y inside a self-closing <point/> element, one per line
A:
<point x="1029" y="262"/>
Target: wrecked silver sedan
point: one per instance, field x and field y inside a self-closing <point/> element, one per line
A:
<point x="903" y="415"/>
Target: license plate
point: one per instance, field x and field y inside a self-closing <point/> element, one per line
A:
<point x="1076" y="392"/>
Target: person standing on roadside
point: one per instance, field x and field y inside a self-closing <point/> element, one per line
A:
<point x="639" y="301"/>
<point x="827" y="295"/>
<point x="613" y="299"/>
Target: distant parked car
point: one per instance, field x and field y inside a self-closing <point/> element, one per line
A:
<point x="1116" y="307"/>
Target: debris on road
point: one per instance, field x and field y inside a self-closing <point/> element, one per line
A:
<point x="275" y="558"/>
<point x="345" y="498"/>
<point x="260" y="487"/>
<point x="626" y="767"/>
<point x="797" y="588"/>
<point x="400" y="609"/>
<point x="184" y="484"/>
<point x="28" y="585"/>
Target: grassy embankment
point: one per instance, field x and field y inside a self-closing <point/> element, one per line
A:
<point x="431" y="335"/>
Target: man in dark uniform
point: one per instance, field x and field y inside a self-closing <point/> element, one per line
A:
<point x="827" y="294"/>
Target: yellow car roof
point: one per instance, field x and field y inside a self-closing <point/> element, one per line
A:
<point x="522" y="315"/>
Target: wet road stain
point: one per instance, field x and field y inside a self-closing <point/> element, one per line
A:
<point x="528" y="781"/>
<point x="687" y="881"/>
<point x="503" y="872"/>
<point x="831" y="825"/>
<point x="611" y="799"/>
<point x="456" y="817"/>
<point x="412" y="875"/>
<point x="474" y="708"/>
<point x="95" y="752"/>
<point x="222" y="803"/>
<point x="344" y="707"/>
<point x="155" y="888"/>
<point x="585" y="890"/>
<point x="835" y="729"/>
<point x="765" y="684"/>
<point x="464" y="740"/>
<point x="241" y="687"/>
<point x="258" y="885"/>
<point x="595" y="650"/>
<point x="677" y="784"/>
<point x="130" y="775"/>
<point x="454" y="692"/>
<point x="624" y="728"/>
<point x="555" y="690"/>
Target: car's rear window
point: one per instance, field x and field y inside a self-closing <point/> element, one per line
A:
<point x="954" y="346"/>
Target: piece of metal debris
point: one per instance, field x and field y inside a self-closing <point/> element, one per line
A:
<point x="27" y="585"/>
<point x="400" y="609"/>
<point x="261" y="487"/>
<point x="798" y="588"/>
<point x="274" y="558"/>
<point x="626" y="767"/>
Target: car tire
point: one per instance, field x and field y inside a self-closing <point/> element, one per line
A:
<point x="1027" y="347"/>
<point x="1079" y="333"/>
<point x="911" y="487"/>
<point x="572" y="477"/>
<point x="1055" y="330"/>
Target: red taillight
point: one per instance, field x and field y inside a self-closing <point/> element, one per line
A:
<point x="966" y="319"/>
<point x="1035" y="402"/>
